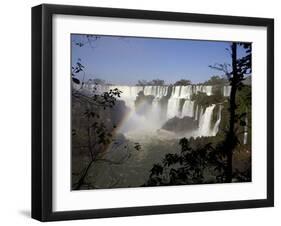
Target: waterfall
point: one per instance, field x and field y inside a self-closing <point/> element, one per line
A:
<point x="188" y="108"/>
<point x="156" y="110"/>
<point x="196" y="113"/>
<point x="184" y="93"/>
<point x="208" y="90"/>
<point x="245" y="135"/>
<point x="173" y="109"/>
<point x="129" y="94"/>
<point x="174" y="103"/>
<point x="203" y="89"/>
<point x="156" y="91"/>
<point x="167" y="102"/>
<point x="205" y="121"/>
<point x="226" y="91"/>
<point x="217" y="124"/>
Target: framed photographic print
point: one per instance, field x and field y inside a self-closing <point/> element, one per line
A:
<point x="146" y="112"/>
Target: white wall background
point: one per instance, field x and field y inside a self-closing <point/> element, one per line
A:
<point x="15" y="113"/>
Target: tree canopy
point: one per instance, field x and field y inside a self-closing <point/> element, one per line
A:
<point x="216" y="80"/>
<point x="154" y="82"/>
<point x="182" y="82"/>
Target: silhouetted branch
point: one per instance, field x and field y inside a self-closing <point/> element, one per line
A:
<point x="222" y="67"/>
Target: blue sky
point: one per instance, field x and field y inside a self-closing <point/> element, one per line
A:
<point x="125" y="60"/>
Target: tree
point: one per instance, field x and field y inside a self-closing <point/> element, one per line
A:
<point x="231" y="139"/>
<point x="142" y="83"/>
<point x="216" y="80"/>
<point x="182" y="82"/>
<point x="154" y="82"/>
<point x="157" y="82"/>
<point x="192" y="165"/>
<point x="240" y="68"/>
<point x="98" y="133"/>
<point x="97" y="81"/>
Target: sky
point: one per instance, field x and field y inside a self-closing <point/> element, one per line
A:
<point x="125" y="60"/>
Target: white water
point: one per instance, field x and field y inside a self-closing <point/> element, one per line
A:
<point x="129" y="94"/>
<point x="188" y="108"/>
<point x="178" y="105"/>
<point x="156" y="91"/>
<point x="217" y="124"/>
<point x="205" y="122"/>
<point x="245" y="138"/>
<point x="226" y="91"/>
<point x="196" y="113"/>
<point x="173" y="109"/>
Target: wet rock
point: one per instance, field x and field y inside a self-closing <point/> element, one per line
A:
<point x="180" y="125"/>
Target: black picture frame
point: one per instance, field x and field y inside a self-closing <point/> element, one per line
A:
<point x="42" y="111"/>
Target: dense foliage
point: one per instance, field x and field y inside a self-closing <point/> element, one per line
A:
<point x="199" y="161"/>
<point x="204" y="100"/>
<point x="216" y="80"/>
<point x="182" y="82"/>
<point x="154" y="82"/>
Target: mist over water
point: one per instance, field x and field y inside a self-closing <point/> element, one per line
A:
<point x="168" y="102"/>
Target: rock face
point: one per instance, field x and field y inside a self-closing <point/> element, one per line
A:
<point x="180" y="125"/>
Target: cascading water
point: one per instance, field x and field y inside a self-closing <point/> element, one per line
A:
<point x="178" y="104"/>
<point x="173" y="109"/>
<point x="156" y="110"/>
<point x="245" y="135"/>
<point x="188" y="108"/>
<point x="196" y="112"/>
<point x="156" y="91"/>
<point x="217" y="124"/>
<point x="205" y="121"/>
<point x="129" y="94"/>
<point x="226" y="91"/>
